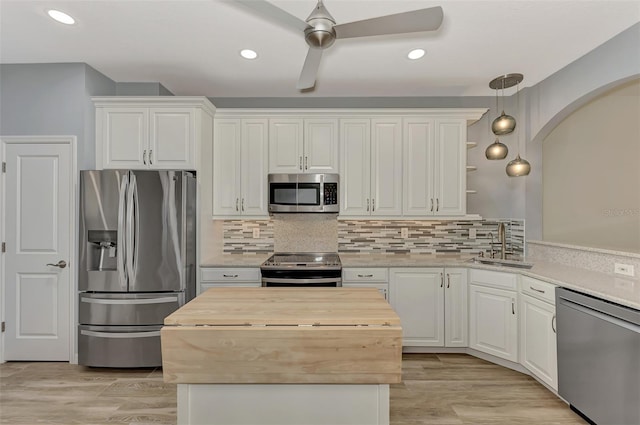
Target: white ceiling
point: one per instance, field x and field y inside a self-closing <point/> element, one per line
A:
<point x="191" y="46"/>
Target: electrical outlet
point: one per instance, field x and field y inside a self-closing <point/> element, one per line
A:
<point x="256" y="233"/>
<point x="623" y="269"/>
<point x="472" y="233"/>
<point x="404" y="232"/>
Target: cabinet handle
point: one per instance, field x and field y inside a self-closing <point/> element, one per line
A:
<point x="230" y="275"/>
<point x="367" y="204"/>
<point x="553" y="321"/>
<point x="300" y="163"/>
<point x="373" y="203"/>
<point x="431" y="204"/>
<point x="306" y="162"/>
<point x="448" y="281"/>
<point x="365" y="275"/>
<point x="537" y="290"/>
<point x="144" y="157"/>
<point x="441" y="280"/>
<point x="150" y="156"/>
<point x="236" y="204"/>
<point x="437" y="204"/>
<point x="513" y="306"/>
<point x="242" y="204"/>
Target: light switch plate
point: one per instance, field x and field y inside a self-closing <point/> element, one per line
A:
<point x="623" y="269"/>
<point x="256" y="233"/>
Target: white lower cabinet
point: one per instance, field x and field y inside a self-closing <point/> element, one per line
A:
<point x="211" y="277"/>
<point x="537" y="330"/>
<point x="493" y="319"/>
<point x="367" y="278"/>
<point x="432" y="305"/>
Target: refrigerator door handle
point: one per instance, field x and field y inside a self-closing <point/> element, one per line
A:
<point x="130" y="228"/>
<point x="121" y="250"/>
<point x="129" y="301"/>
<point x="121" y="334"/>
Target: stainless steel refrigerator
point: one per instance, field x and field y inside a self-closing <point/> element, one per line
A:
<point x="136" y="262"/>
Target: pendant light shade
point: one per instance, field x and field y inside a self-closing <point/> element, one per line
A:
<point x="504" y="124"/>
<point x="496" y="150"/>
<point x="518" y="167"/>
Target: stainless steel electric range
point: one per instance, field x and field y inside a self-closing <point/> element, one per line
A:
<point x="307" y="269"/>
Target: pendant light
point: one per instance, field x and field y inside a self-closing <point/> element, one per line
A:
<point x="504" y="124"/>
<point x="496" y="150"/>
<point x="518" y="167"/>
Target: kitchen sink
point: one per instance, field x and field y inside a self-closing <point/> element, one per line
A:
<point x="501" y="263"/>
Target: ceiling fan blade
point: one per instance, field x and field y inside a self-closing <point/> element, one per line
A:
<point x="414" y="21"/>
<point x="271" y="11"/>
<point x="310" y="69"/>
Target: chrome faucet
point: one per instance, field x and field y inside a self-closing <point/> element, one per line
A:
<point x="502" y="238"/>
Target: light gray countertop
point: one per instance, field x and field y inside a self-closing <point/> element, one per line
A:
<point x="618" y="289"/>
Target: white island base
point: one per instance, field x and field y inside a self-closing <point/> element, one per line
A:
<point x="283" y="404"/>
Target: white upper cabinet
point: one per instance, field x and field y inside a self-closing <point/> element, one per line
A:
<point x="172" y="138"/>
<point x="303" y="145"/>
<point x="240" y="167"/>
<point x="286" y="145"/>
<point x="355" y="167"/>
<point x="386" y="166"/>
<point x="434" y="167"/>
<point x="371" y="167"/>
<point x="151" y="132"/>
<point x="450" y="173"/>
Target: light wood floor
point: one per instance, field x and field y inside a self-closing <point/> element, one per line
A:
<point x="445" y="389"/>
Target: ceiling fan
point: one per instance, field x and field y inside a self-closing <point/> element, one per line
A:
<point x="320" y="29"/>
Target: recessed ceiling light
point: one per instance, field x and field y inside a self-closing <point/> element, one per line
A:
<point x="248" y="54"/>
<point x="61" y="17"/>
<point x="415" y="54"/>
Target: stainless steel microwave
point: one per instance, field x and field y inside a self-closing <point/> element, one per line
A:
<point x="297" y="193"/>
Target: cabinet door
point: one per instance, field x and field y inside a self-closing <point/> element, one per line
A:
<point x="417" y="296"/>
<point x="285" y="145"/>
<point x="320" y="146"/>
<point x="355" y="177"/>
<point x="456" y="323"/>
<point x="493" y="322"/>
<point x="538" y="339"/>
<point x="125" y="135"/>
<point x="253" y="166"/>
<point x="418" y="149"/>
<point x="450" y="167"/>
<point x="386" y="167"/>
<point x="226" y="167"/>
<point x="172" y="138"/>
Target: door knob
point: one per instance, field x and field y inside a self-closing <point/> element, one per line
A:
<point x="62" y="264"/>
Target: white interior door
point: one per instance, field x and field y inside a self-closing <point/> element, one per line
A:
<point x="38" y="219"/>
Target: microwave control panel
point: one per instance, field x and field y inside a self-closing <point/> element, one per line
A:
<point x="331" y="193"/>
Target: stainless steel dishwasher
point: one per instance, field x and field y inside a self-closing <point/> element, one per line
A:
<point x="598" y="358"/>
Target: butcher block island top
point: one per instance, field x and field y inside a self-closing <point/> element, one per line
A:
<point x="283" y="336"/>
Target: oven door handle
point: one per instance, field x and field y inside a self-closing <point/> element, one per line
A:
<point x="301" y="281"/>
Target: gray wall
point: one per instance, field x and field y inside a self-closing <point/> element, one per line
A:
<point x="549" y="102"/>
<point x="141" y="89"/>
<point x="52" y="99"/>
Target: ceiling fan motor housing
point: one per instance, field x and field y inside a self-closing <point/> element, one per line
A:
<point x="320" y="33"/>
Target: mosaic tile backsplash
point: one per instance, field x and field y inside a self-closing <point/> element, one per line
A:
<point x="382" y="236"/>
<point x="431" y="237"/>
<point x="238" y="236"/>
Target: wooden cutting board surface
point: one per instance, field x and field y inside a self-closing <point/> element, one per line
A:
<point x="286" y="306"/>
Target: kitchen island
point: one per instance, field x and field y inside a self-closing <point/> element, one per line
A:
<point x="283" y="356"/>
